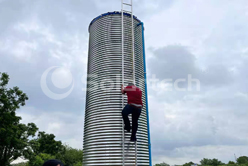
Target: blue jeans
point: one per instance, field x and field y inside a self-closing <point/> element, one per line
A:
<point x="128" y="109"/>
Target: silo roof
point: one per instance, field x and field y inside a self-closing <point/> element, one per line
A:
<point x="111" y="13"/>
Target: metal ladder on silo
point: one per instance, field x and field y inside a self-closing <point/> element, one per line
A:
<point x="133" y="68"/>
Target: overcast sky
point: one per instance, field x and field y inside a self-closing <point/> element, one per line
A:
<point x="207" y="39"/>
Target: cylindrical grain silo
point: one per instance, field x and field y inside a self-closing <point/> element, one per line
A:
<point x="103" y="121"/>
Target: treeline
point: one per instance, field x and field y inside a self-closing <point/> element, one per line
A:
<point x="68" y="155"/>
<point x="19" y="140"/>
<point x="241" y="161"/>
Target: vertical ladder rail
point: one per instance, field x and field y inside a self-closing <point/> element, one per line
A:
<point x="122" y="70"/>
<point x="133" y="54"/>
<point x="136" y="163"/>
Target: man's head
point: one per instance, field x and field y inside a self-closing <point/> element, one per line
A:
<point x="130" y="84"/>
<point x="53" y="162"/>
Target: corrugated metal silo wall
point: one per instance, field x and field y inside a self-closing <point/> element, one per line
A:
<point x="103" y="121"/>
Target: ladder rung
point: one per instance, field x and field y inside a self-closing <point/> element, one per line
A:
<point x="127" y="11"/>
<point x="127" y="4"/>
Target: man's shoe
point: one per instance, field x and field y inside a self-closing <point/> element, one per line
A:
<point x="128" y="129"/>
<point x="133" y="139"/>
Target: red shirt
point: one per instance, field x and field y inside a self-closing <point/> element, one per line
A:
<point x="134" y="95"/>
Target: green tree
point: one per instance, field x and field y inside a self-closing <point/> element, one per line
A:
<point x="46" y="143"/>
<point x="231" y="162"/>
<point x="162" y="164"/>
<point x="43" y="144"/>
<point x="205" y="161"/>
<point x="188" y="164"/>
<point x="40" y="159"/>
<point x="13" y="134"/>
<point x="71" y="156"/>
<point x="242" y="160"/>
<point x="214" y="162"/>
<point x="78" y="163"/>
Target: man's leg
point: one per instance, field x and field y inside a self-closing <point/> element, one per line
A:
<point x="135" y="116"/>
<point x="125" y="112"/>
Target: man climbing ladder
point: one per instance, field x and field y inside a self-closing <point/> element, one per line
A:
<point x="134" y="106"/>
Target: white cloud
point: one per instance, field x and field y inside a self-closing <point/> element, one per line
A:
<point x="66" y="126"/>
